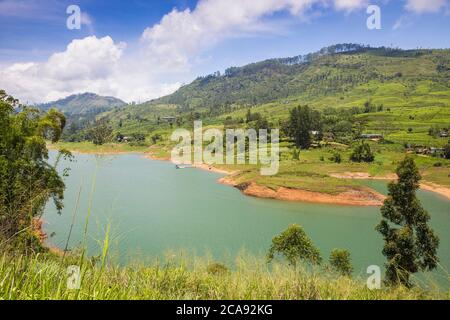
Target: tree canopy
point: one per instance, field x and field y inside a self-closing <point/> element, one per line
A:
<point x="27" y="180"/>
<point x="410" y="244"/>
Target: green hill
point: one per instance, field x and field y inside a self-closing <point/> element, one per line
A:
<point x="342" y="71"/>
<point x="83" y="105"/>
<point x="392" y="90"/>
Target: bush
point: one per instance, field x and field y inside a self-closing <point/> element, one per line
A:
<point x="362" y="153"/>
<point x="336" y="157"/>
<point x="27" y="180"/>
<point x="294" y="245"/>
<point x="447" y="151"/>
<point x="217" y="269"/>
<point x="340" y="262"/>
<point x="295" y="154"/>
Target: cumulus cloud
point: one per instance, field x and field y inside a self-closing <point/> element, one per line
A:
<point x="83" y="63"/>
<point x="90" y="64"/>
<point x="425" y="6"/>
<point x="182" y="34"/>
<point x="166" y="51"/>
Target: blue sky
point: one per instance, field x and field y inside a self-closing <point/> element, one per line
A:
<point x="139" y="49"/>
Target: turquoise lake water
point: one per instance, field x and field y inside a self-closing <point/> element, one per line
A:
<point x="154" y="208"/>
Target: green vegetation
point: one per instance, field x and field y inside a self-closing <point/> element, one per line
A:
<point x="302" y="121"/>
<point x="27" y="181"/>
<point x="349" y="91"/>
<point x="362" y="153"/>
<point x="295" y="246"/>
<point x="340" y="262"/>
<point x="45" y="277"/>
<point x="100" y="133"/>
<point x="410" y="245"/>
<point x="323" y="103"/>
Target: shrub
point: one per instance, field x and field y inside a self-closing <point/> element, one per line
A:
<point x="447" y="151"/>
<point x="217" y="269"/>
<point x="294" y="245"/>
<point x="340" y="262"/>
<point x="362" y="153"/>
<point x="336" y="157"/>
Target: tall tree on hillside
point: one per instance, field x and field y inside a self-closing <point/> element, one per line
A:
<point x="302" y="121"/>
<point x="410" y="244"/>
<point x="27" y="181"/>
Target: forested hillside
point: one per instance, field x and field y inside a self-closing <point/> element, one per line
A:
<point x="85" y="104"/>
<point x="333" y="71"/>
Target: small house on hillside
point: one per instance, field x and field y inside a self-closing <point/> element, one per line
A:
<point x="443" y="134"/>
<point x="372" y="136"/>
<point x="169" y="119"/>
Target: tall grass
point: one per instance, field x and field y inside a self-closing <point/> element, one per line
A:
<point x="43" y="276"/>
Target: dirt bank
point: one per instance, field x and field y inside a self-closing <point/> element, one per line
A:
<point x="425" y="185"/>
<point x="38" y="229"/>
<point x="352" y="197"/>
<point x="362" y="176"/>
<point x="429" y="186"/>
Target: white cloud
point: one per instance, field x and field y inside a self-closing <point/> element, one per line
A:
<point x="349" y="5"/>
<point x="425" y="6"/>
<point x="182" y="34"/>
<point x="166" y="52"/>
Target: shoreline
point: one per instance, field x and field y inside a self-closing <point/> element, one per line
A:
<point x="363" y="196"/>
<point x="424" y="185"/>
<point x="38" y="229"/>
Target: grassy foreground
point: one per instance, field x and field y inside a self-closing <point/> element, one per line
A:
<point x="45" y="277"/>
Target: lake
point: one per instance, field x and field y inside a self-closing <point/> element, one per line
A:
<point x="153" y="208"/>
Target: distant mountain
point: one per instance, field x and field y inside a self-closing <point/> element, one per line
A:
<point x="84" y="105"/>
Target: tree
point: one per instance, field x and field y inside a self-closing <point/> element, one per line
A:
<point x="302" y="121"/>
<point x="340" y="262"/>
<point x="294" y="245"/>
<point x="362" y="153"/>
<point x="336" y="157"/>
<point x="27" y="181"/>
<point x="100" y="133"/>
<point x="447" y="151"/>
<point x="410" y="244"/>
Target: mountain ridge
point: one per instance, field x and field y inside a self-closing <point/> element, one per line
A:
<point x="84" y="104"/>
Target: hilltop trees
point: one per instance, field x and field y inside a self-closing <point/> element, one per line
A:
<point x="410" y="244"/>
<point x="302" y="121"/>
<point x="27" y="181"/>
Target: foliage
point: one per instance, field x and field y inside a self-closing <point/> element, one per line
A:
<point x="294" y="245"/>
<point x="217" y="269"/>
<point x="43" y="277"/>
<point x="100" y="133"/>
<point x="362" y="153"/>
<point x="410" y="244"/>
<point x="447" y="151"/>
<point x="295" y="154"/>
<point x="340" y="262"/>
<point x="336" y="157"/>
<point x="302" y="121"/>
<point x="27" y="181"/>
